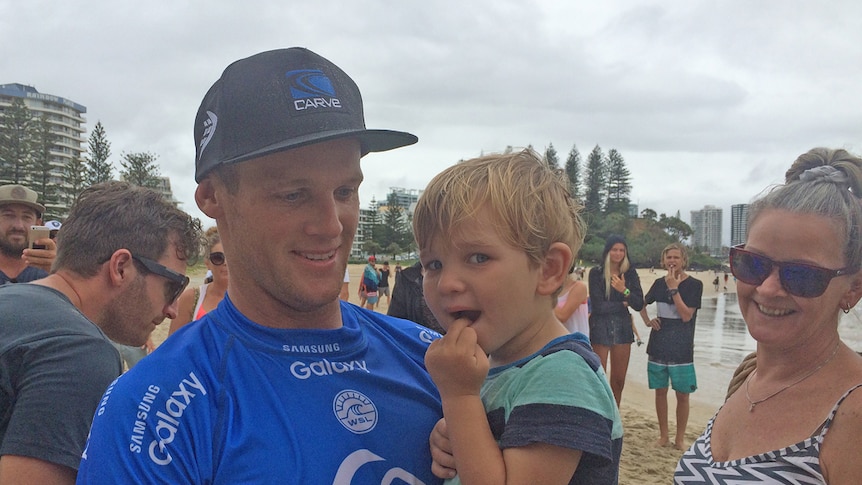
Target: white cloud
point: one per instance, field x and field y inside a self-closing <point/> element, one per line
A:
<point x="708" y="102"/>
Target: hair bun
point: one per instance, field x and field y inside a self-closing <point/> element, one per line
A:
<point x="825" y="173"/>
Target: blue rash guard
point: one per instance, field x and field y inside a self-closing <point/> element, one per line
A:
<point x="225" y="400"/>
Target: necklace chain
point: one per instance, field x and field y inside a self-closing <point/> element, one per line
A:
<point x="751" y="403"/>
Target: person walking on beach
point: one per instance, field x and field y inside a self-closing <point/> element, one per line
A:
<point x="120" y="267"/>
<point x="614" y="288"/>
<point x="283" y="382"/>
<point x="370" y="281"/>
<point x="383" y="285"/>
<point x="671" y="342"/>
<point x="537" y="408"/>
<point x="797" y="417"/>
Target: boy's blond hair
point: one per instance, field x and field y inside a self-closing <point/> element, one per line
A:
<point x="529" y="202"/>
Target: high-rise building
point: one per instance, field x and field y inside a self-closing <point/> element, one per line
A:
<point x="66" y="119"/>
<point x="738" y="224"/>
<point x="406" y="198"/>
<point x="706" y="224"/>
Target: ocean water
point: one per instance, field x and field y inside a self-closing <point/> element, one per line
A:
<point x="721" y="341"/>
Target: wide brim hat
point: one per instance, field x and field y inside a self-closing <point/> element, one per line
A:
<point x="278" y="100"/>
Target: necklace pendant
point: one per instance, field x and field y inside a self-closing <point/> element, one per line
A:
<point x="751" y="407"/>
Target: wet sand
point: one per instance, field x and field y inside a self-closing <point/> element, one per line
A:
<point x="642" y="463"/>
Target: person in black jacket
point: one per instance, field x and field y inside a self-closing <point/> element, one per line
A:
<point x="408" y="299"/>
<point x="614" y="287"/>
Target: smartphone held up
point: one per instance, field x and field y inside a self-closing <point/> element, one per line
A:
<point x="36" y="233"/>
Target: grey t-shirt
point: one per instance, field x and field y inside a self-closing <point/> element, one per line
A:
<point x="55" y="364"/>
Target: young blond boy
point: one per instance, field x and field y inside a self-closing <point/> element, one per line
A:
<point x="497" y="236"/>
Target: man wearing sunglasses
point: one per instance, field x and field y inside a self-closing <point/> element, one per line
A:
<point x="120" y="265"/>
<point x="282" y="382"/>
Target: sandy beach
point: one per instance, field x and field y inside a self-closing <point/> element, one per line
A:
<point x="642" y="462"/>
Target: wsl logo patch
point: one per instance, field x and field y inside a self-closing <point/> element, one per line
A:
<point x="355" y="411"/>
<point x="311" y="89"/>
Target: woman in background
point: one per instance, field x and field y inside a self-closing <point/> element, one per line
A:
<point x="614" y="287"/>
<point x="196" y="302"/>
<point x="797" y="418"/>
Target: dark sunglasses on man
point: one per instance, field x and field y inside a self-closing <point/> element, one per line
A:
<point x="177" y="282"/>
<point x="798" y="279"/>
<point x="217" y="258"/>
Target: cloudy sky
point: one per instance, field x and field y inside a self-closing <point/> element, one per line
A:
<point x="708" y="101"/>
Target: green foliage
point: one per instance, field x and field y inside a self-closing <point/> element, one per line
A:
<point x="98" y="167"/>
<point x="394" y="250"/>
<point x="43" y="177"/>
<point x="15" y="142"/>
<point x="619" y="186"/>
<point x="551" y="157"/>
<point x="371" y="247"/>
<point x="573" y="172"/>
<point x="595" y="182"/>
<point x="75" y="179"/>
<point x="394" y="231"/>
<point x="676" y="227"/>
<point x="140" y="169"/>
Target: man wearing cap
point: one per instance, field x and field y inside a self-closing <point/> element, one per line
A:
<point x="120" y="266"/>
<point x="283" y="382"/>
<point x="19" y="210"/>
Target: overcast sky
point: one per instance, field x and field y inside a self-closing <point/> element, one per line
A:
<point x="708" y="101"/>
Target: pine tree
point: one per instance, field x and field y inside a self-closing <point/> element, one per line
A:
<point x="98" y="167"/>
<point x="15" y="142"/>
<point x="551" y="157"/>
<point x="74" y="180"/>
<point x="140" y="169"/>
<point x="573" y="172"/>
<point x="595" y="186"/>
<point x="619" y="187"/>
<point x="43" y="174"/>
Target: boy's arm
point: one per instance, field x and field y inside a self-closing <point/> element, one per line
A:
<point x="458" y="367"/>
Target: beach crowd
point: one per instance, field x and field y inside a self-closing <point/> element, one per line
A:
<point x="494" y="362"/>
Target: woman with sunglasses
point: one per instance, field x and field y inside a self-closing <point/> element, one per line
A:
<point x="671" y="340"/>
<point x="194" y="303"/>
<point x="797" y="417"/>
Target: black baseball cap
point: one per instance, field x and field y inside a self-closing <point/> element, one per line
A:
<point x="277" y="100"/>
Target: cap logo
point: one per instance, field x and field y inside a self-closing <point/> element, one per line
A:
<point x="311" y="89"/>
<point x="209" y="130"/>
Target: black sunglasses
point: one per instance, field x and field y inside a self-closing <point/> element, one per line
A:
<point x="217" y="258"/>
<point x="177" y="282"/>
<point x="798" y="279"/>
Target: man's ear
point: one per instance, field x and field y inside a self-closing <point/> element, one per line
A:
<point x="121" y="268"/>
<point x="208" y="196"/>
<point x="555" y="268"/>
